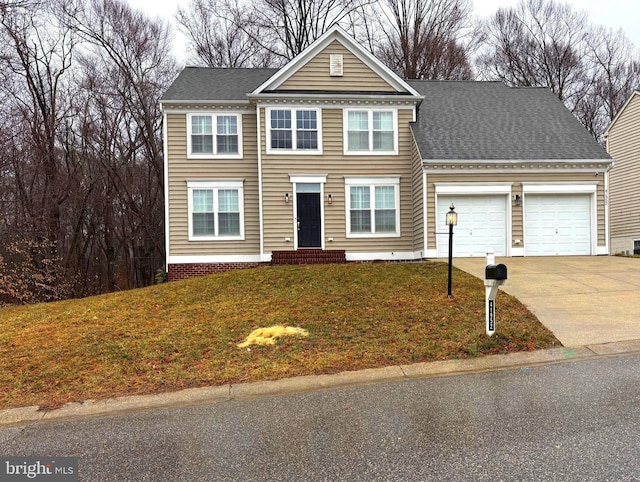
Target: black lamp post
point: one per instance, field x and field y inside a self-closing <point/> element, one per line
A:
<point x="452" y="220"/>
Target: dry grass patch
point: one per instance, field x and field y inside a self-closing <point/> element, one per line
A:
<point x="185" y="334"/>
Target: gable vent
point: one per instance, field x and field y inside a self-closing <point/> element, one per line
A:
<point x="335" y="65"/>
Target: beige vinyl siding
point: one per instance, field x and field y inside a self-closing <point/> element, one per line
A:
<point x="314" y="75"/>
<point x="182" y="169"/>
<point x="517" y="216"/>
<point x="278" y="215"/>
<point x="516" y="188"/>
<point x="418" y="201"/>
<point x="624" y="146"/>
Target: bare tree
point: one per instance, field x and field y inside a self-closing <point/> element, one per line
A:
<point x="36" y="62"/>
<point x="218" y="35"/>
<point x="427" y="39"/>
<point x="538" y="43"/>
<point x="261" y="33"/>
<point x="616" y="63"/>
<point x="128" y="66"/>
<point x="81" y="174"/>
<point x="286" y="27"/>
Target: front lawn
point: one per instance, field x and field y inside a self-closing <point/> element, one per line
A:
<point x="185" y="334"/>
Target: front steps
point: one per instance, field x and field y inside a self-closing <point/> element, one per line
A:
<point x="308" y="256"/>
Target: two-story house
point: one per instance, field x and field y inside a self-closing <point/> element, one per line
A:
<point x="623" y="144"/>
<point x="334" y="154"/>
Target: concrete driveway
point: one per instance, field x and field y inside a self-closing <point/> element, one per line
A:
<point x="583" y="300"/>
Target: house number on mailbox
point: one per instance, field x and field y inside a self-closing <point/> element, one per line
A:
<point x="491" y="328"/>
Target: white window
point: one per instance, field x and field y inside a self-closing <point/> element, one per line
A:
<point x="294" y="130"/>
<point x="216" y="210"/>
<point x="214" y="135"/>
<point x="370" y="131"/>
<point x="636" y="246"/>
<point x="373" y="207"/>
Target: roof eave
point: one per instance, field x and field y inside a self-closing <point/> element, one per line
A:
<point x="201" y="101"/>
<point x="332" y="96"/>
<point x="519" y="161"/>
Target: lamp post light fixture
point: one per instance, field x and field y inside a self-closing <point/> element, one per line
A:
<point x="517" y="200"/>
<point x="451" y="220"/>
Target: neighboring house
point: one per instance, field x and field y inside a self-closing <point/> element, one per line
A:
<point x="335" y="155"/>
<point x="623" y="144"/>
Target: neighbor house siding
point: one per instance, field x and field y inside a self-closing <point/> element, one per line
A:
<point x="182" y="169"/>
<point x="623" y="144"/>
<point x="314" y="75"/>
<point x="276" y="171"/>
<point x="516" y="181"/>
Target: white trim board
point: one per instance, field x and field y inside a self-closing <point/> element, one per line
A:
<point x="585" y="188"/>
<point x="475" y="188"/>
<point x="384" y="256"/>
<point x="215" y="258"/>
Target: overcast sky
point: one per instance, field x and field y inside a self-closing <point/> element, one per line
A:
<point x="616" y="14"/>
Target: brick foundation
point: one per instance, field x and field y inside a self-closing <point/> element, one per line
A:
<point x="180" y="271"/>
<point x="184" y="271"/>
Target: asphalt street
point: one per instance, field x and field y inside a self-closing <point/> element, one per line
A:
<point x="570" y="421"/>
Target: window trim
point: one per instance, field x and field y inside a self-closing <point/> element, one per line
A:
<point x="294" y="150"/>
<point x="214" y="123"/>
<point x="370" y="151"/>
<point x="372" y="183"/>
<point x="215" y="186"/>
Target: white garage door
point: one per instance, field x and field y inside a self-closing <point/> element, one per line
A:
<point x="482" y="222"/>
<point x="557" y="224"/>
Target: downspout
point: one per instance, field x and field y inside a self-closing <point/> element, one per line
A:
<point x="606" y="209"/>
<point x="260" y="205"/>
<point x="424" y="212"/>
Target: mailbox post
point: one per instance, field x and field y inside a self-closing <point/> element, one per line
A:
<point x="495" y="275"/>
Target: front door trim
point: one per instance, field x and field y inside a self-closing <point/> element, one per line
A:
<point x="305" y="179"/>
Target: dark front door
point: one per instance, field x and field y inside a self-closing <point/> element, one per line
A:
<point x="309" y="220"/>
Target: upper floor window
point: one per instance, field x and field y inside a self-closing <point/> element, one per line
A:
<point x="214" y="135"/>
<point x="294" y="130"/>
<point x="370" y="131"/>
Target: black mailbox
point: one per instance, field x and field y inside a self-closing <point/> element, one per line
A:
<point x="495" y="271"/>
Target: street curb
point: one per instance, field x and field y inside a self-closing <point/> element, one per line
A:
<point x="224" y="393"/>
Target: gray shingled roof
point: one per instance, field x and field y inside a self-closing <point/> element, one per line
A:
<point x="225" y="84"/>
<point x="488" y="120"/>
<point x="457" y="119"/>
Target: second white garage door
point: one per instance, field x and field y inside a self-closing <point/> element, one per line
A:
<point x="482" y="222"/>
<point x="557" y="224"/>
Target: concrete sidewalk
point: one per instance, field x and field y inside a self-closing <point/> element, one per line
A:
<point x="583" y="300"/>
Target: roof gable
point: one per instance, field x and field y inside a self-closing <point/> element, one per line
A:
<point x="355" y="76"/>
<point x="319" y="51"/>
<point x="635" y="97"/>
